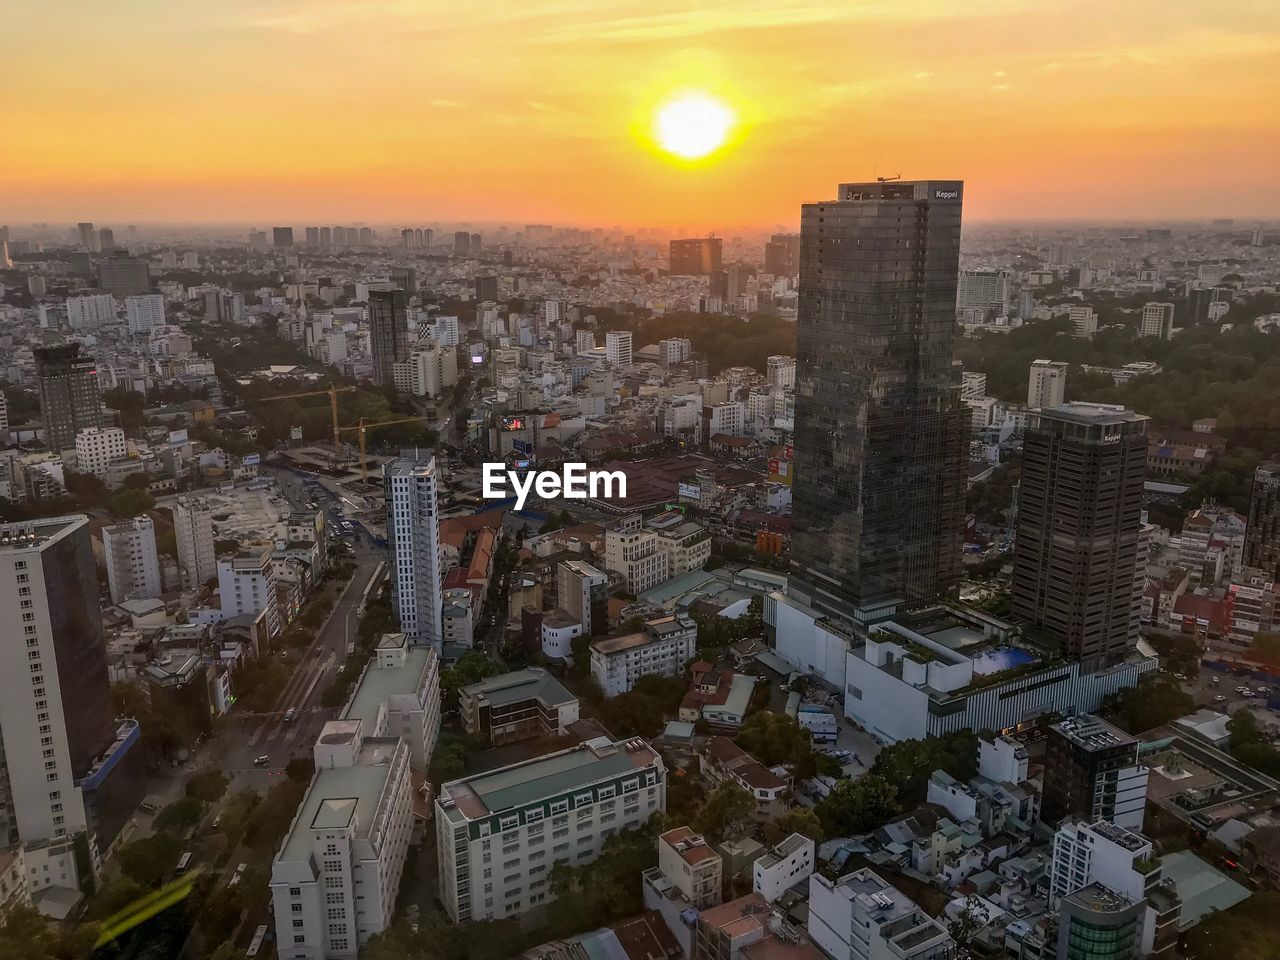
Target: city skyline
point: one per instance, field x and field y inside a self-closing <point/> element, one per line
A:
<point x="1074" y="96"/>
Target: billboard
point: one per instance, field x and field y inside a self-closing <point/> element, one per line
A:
<point x="251" y="459"/>
<point x="295" y="433"/>
<point x="510" y="424"/>
<point x="178" y="438"/>
<point x="689" y="491"/>
<point x="522" y="446"/>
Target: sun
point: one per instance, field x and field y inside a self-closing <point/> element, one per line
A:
<point x="693" y="125"/>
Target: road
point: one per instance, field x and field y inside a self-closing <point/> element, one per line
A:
<point x="1204" y="689"/>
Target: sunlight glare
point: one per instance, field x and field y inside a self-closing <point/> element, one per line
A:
<point x="693" y="125"/>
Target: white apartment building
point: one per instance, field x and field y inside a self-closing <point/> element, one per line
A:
<point x="144" y="312"/>
<point x="781" y="371"/>
<point x="398" y="695"/>
<point x="193" y="527"/>
<point x="693" y="867"/>
<point x="499" y="833"/>
<point x="661" y="646"/>
<point x="247" y="585"/>
<point x="687" y="547"/>
<point x="433" y="369"/>
<point x="673" y="350"/>
<point x="86" y="313"/>
<point x="679" y="415"/>
<point x="1157" y="321"/>
<point x="446" y="331"/>
<point x="457" y="617"/>
<point x="584" y="341"/>
<point x="617" y="347"/>
<point x="783" y="866"/>
<point x="973" y="385"/>
<point x="729" y="418"/>
<point x="979" y="292"/>
<point x="1047" y="385"/>
<point x="413" y="533"/>
<point x="632" y="551"/>
<point x="334" y="881"/>
<point x="861" y="917"/>
<point x="133" y="565"/>
<point x="96" y="448"/>
<point x="1084" y="322"/>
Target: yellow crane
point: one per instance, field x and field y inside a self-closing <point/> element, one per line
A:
<point x="332" y="393"/>
<point x="363" y="427"/>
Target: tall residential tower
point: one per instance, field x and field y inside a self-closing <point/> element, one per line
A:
<point x="413" y="534"/>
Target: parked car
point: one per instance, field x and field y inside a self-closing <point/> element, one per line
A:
<point x="261" y="761"/>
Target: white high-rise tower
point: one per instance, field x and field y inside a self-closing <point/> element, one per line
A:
<point x="413" y="533"/>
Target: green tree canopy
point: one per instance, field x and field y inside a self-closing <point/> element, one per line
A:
<point x="856" y="806"/>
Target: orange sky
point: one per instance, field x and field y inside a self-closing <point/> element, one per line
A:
<point x="401" y="111"/>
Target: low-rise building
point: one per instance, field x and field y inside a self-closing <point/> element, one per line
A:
<point x="661" y="646"/>
<point x="782" y="867"/>
<point x="723" y="760"/>
<point x="861" y="917"/>
<point x="522" y="705"/>
<point x="334" y="881"/>
<point x="499" y="833"/>
<point x="398" y="695"/>
<point x="692" y="866"/>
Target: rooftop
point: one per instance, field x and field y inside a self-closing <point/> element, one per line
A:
<point x="518" y="686"/>
<point x="1092" y="733"/>
<point x="377" y="683"/>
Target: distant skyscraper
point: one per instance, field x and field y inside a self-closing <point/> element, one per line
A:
<point x="1078" y="529"/>
<point x="106" y="241"/>
<point x="880" y="437"/>
<point x="70" y="397"/>
<point x="1262" y="533"/>
<point x="406" y="238"/>
<point x="461" y="243"/>
<point x="313" y="236"/>
<point x="326" y="238"/>
<point x="413" y="536"/>
<point x="406" y="278"/>
<point x="617" y="347"/>
<point x="124" y="276"/>
<point x="1157" y="321"/>
<point x="388" y="332"/>
<point x="144" y="312"/>
<point x="476" y="241"/>
<point x="1047" y="385"/>
<point x="699" y="257"/>
<point x="193" y="528"/>
<point x="133" y="565"/>
<point x="1084" y="322"/>
<point x="282" y="236"/>
<point x="782" y="255"/>
<point x="56" y="717"/>
<point x="486" y="288"/>
<point x="88" y="237"/>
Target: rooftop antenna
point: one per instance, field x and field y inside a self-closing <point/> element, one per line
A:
<point x="896" y="176"/>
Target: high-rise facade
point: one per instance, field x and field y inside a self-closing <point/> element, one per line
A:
<point x="56" y="717"/>
<point x="70" y="399"/>
<point x="133" y="565"/>
<point x="1047" y="384"/>
<point x="617" y="347"/>
<point x="388" y="333"/>
<point x="782" y="255"/>
<point x="1078" y="529"/>
<point x="124" y="276"/>
<point x="193" y="529"/>
<point x="698" y="257"/>
<point x="1157" y="321"/>
<point x="1262" y="532"/>
<point x="282" y="236"/>
<point x="880" y="438"/>
<point x="461" y="243"/>
<point x="91" y="312"/>
<point x="144" y="312"/>
<point x="1092" y="772"/>
<point x="413" y="536"/>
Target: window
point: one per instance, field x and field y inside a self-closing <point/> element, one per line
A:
<point x="298" y="924"/>
<point x="295" y="908"/>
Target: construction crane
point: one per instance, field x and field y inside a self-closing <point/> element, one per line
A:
<point x="332" y="393"/>
<point x="363" y="427"/>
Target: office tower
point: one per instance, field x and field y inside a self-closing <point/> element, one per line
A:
<point x="718" y="285"/>
<point x="406" y="278"/>
<point x="144" y="312"/>
<point x="326" y="238"/>
<point x="445" y="331"/>
<point x="617" y="347"/>
<point x="106" y="241"/>
<point x="698" y="257"/>
<point x="88" y="237"/>
<point x="406" y="238"/>
<point x="63" y="779"/>
<point x="418" y="237"/>
<point x="1078" y="529"/>
<point x="247" y="586"/>
<point x="413" y="536"/>
<point x="507" y="257"/>
<point x="1084" y="322"/>
<point x="89" y="313"/>
<point x="193" y="528"/>
<point x="1157" y="321"/>
<point x="123" y="276"/>
<point x="1091" y="772"/>
<point x="69" y="394"/>
<point x="561" y="805"/>
<point x="461" y="243"/>
<point x="584" y="341"/>
<point x="475" y="244"/>
<point x="313" y="236"/>
<point x="781" y="371"/>
<point x="428" y="237"/>
<point x="486" y="288"/>
<point x="282" y="236"/>
<point x="880" y="433"/>
<point x="6" y="261"/>
<point x="388" y="332"/>
<point x="980" y="293"/>
<point x="335" y="878"/>
<point x="133" y="566"/>
<point x="782" y="255"/>
<point x="365" y="236"/>
<point x="1047" y="386"/>
<point x="1262" y="533"/>
<point x="223" y="307"/>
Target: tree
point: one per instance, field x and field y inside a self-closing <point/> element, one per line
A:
<point x="800" y="820"/>
<point x="208" y="786"/>
<point x="1155" y="701"/>
<point x="1247" y="931"/>
<point x="149" y="860"/>
<point x="300" y="769"/>
<point x="727" y="814"/>
<point x="1266" y="650"/>
<point x="180" y="815"/>
<point x="26" y="934"/>
<point x="607" y="889"/>
<point x="472" y="667"/>
<point x="114" y="894"/>
<point x="775" y="738"/>
<point x="131" y="503"/>
<point x="856" y="806"/>
<point x="967" y="922"/>
<point x="227" y="951"/>
<point x="908" y="764"/>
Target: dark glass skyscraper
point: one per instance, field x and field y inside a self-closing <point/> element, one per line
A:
<point x="70" y="397"/>
<point x="1079" y="529"/>
<point x="1262" y="534"/>
<point x="388" y="332"/>
<point x="880" y="435"/>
